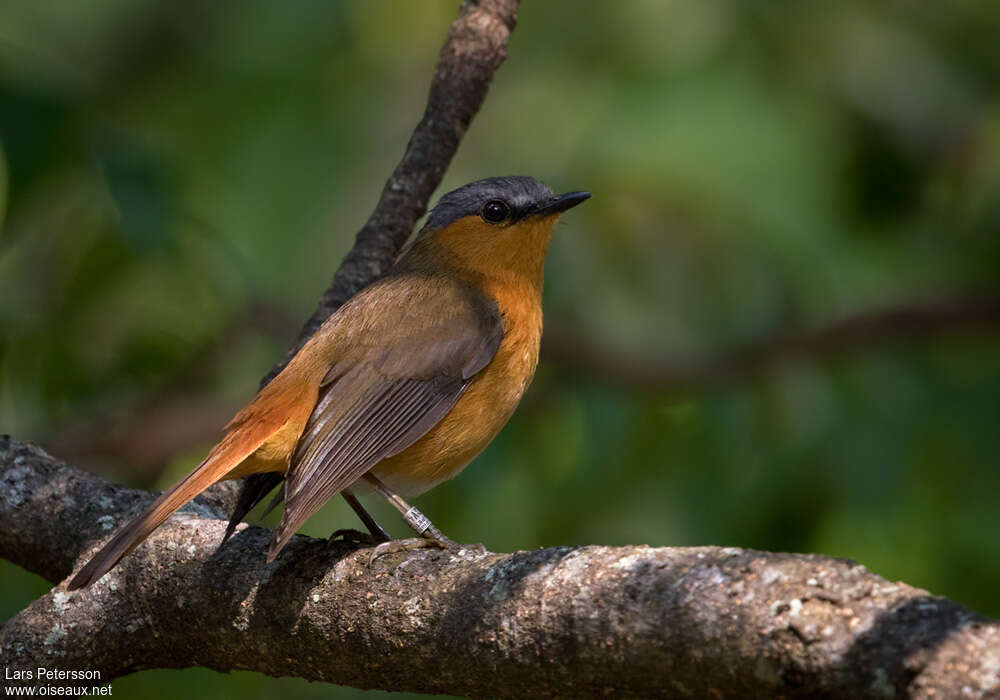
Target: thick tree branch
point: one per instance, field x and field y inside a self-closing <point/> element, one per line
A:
<point x="559" y="622"/>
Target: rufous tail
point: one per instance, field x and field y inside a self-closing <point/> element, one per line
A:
<point x="233" y="449"/>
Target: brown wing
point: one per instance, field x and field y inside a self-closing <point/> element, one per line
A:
<point x="402" y="377"/>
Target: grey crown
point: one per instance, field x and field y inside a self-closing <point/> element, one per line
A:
<point x="521" y="192"/>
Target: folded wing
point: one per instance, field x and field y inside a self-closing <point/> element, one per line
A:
<point x="397" y="381"/>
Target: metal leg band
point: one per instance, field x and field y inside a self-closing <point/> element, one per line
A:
<point x="417" y="520"/>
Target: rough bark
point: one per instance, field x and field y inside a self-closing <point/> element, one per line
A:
<point x="559" y="622"/>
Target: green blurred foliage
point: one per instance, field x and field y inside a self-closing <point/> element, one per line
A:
<point x="166" y="168"/>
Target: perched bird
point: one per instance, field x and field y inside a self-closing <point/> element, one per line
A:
<point x="405" y="383"/>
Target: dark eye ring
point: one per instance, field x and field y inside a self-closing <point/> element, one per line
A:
<point x="495" y="211"/>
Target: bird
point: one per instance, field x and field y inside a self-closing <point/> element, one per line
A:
<point x="404" y="384"/>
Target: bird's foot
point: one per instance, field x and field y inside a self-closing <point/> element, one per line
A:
<point x="410" y="544"/>
<point x="435" y="535"/>
<point x="357" y="538"/>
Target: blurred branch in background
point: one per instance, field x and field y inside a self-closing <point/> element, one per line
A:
<point x="175" y="416"/>
<point x="173" y="419"/>
<point x="915" y="321"/>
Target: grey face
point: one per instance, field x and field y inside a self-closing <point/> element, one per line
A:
<point x="519" y="194"/>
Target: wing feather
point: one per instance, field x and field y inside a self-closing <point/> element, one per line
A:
<point x="384" y="397"/>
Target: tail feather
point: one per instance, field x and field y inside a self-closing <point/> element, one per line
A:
<point x="234" y="448"/>
<point x="276" y="416"/>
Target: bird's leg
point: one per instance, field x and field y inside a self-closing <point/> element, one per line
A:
<point x="417" y="521"/>
<point x="378" y="534"/>
<point x="430" y="536"/>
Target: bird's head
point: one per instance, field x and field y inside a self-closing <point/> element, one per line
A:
<point x="501" y="225"/>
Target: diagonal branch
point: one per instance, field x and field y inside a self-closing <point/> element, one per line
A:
<point x="559" y="622"/>
<point x="473" y="51"/>
<point x="475" y="48"/>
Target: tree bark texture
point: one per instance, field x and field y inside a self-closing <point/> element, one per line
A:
<point x="560" y="622"/>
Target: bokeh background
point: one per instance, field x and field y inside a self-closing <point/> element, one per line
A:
<point x="181" y="179"/>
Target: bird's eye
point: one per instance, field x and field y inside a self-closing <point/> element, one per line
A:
<point x="495" y="211"/>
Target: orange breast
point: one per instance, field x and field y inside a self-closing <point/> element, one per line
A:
<point x="487" y="403"/>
